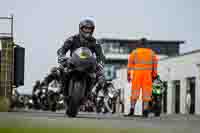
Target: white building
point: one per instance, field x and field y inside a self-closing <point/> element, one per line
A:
<point x="181" y="73"/>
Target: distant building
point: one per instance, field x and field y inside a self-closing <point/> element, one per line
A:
<point x="117" y="51"/>
<point x="181" y="75"/>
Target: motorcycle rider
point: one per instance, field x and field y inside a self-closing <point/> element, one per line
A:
<point x="36" y="86"/>
<point x="83" y="39"/>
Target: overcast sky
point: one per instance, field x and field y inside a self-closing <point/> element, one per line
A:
<point x="41" y="26"/>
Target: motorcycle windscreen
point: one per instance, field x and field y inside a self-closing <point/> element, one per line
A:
<point x="83" y="53"/>
<point x="156" y="90"/>
<point x="83" y="59"/>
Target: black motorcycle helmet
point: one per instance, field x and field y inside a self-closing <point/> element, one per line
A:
<point x="37" y="82"/>
<point x="86" y="28"/>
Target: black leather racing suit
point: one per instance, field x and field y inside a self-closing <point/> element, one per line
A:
<point x="71" y="44"/>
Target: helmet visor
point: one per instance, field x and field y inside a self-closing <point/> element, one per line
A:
<point x="87" y="29"/>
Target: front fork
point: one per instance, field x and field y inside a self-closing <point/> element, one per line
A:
<point x="106" y="100"/>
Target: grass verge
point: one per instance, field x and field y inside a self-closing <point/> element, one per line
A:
<point x="76" y="130"/>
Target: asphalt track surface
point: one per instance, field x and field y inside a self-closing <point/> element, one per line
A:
<point x="186" y="123"/>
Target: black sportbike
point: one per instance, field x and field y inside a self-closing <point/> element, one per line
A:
<point x="79" y="79"/>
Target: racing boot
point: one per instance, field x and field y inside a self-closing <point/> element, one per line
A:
<point x="146" y="110"/>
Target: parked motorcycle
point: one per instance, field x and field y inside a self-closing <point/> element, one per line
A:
<point x="30" y="103"/>
<point x="79" y="79"/>
<point x="157" y="94"/>
<point x="100" y="106"/>
<point x="40" y="100"/>
<point x="53" y="98"/>
<point x="44" y="100"/>
<point x="107" y="98"/>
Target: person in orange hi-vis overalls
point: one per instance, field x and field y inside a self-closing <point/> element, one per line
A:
<point x="142" y="70"/>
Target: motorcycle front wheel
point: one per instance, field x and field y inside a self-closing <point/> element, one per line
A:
<point x="77" y="88"/>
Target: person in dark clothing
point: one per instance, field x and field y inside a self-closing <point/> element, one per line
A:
<point x="36" y="86"/>
<point x="83" y="39"/>
<point x="35" y="95"/>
